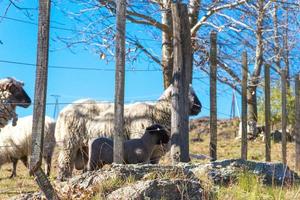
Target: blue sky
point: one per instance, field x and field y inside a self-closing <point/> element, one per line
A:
<point x="19" y="41"/>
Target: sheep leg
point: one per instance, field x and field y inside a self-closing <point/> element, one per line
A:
<point x="14" y="170"/>
<point x="66" y="163"/>
<point x="81" y="158"/>
<point x="25" y="161"/>
<point x="156" y="155"/>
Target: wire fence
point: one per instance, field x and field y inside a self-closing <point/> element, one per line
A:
<point x="221" y="92"/>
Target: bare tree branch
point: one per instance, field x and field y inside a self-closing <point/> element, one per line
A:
<point x="212" y="11"/>
<point x="143" y="49"/>
<point x="229" y="71"/>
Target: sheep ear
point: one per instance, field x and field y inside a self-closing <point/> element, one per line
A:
<point x="167" y="93"/>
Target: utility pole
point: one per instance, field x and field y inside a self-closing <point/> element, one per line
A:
<point x="232" y="110"/>
<point x="56" y="105"/>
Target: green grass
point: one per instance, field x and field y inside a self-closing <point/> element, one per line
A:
<point x="248" y="186"/>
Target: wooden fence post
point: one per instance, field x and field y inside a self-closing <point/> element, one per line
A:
<point x="40" y="101"/>
<point x="182" y="70"/>
<point x="244" y="106"/>
<point x="267" y="113"/>
<point x="177" y="83"/>
<point x="213" y="96"/>
<point x="119" y="82"/>
<point x="283" y="114"/>
<point x="297" y="125"/>
<point x="186" y="46"/>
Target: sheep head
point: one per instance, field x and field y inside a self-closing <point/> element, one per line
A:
<point x="195" y="105"/>
<point x="161" y="133"/>
<point x="13" y="92"/>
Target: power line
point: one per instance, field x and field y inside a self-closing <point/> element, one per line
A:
<point x="79" y="68"/>
<point x="61" y="28"/>
<point x="84" y="68"/>
<point x="56" y="106"/>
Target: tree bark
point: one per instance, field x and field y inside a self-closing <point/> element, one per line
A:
<point x="193" y="11"/>
<point x="276" y="37"/>
<point x="286" y="47"/>
<point x="167" y="45"/>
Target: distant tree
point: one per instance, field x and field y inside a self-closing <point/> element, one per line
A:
<point x="276" y="106"/>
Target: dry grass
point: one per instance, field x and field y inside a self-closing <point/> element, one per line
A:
<point x="228" y="147"/>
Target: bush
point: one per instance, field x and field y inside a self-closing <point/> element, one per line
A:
<point x="276" y="106"/>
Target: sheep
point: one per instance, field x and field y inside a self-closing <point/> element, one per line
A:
<point x="135" y="150"/>
<point x="252" y="134"/>
<point x="15" y="143"/>
<point x="12" y="94"/>
<point x="86" y="119"/>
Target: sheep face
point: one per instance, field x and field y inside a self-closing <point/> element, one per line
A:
<point x="18" y="95"/>
<point x="194" y="102"/>
<point x="160" y="131"/>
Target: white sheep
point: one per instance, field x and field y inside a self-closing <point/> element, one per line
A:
<point x="135" y="150"/>
<point x="12" y="95"/>
<point x="15" y="143"/>
<point x="87" y="119"/>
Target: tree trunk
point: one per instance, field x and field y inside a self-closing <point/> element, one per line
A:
<point x="252" y="109"/>
<point x="194" y="7"/>
<point x="286" y="47"/>
<point x="276" y="38"/>
<point x="252" y="97"/>
<point x="167" y="46"/>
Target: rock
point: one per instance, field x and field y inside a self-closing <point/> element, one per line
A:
<point x="226" y="171"/>
<point x="160" y="180"/>
<point x="200" y="156"/>
<point x="159" y="189"/>
<point x="87" y="184"/>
